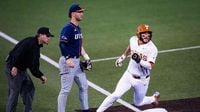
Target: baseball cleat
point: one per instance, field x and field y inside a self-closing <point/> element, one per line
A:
<point x="157" y="98"/>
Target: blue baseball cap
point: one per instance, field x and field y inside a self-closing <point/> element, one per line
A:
<point x="75" y="7"/>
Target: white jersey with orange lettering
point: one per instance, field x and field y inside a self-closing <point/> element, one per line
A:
<point x="136" y="76"/>
<point x="147" y="52"/>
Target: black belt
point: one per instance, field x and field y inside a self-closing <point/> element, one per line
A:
<point x="74" y="57"/>
<point x="138" y="77"/>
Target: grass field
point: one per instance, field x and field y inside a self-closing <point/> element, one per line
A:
<point x="107" y="27"/>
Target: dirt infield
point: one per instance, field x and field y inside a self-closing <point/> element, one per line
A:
<point x="181" y="105"/>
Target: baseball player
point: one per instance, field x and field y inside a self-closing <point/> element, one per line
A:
<point x="143" y="56"/>
<point x="69" y="63"/>
<point x="25" y="55"/>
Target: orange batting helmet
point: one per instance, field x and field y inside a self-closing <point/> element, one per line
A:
<point x="143" y="28"/>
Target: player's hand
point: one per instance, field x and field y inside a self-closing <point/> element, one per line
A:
<point x="86" y="65"/>
<point x="70" y="63"/>
<point x="14" y="71"/>
<point x="118" y="62"/>
<point x="136" y="57"/>
<point x="44" y="79"/>
<point x="89" y="64"/>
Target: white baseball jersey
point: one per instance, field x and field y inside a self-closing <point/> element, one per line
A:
<point x="147" y="52"/>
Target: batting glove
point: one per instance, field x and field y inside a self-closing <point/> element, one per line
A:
<point x="118" y="62"/>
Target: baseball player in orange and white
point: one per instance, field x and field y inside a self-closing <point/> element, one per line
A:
<point x="143" y="56"/>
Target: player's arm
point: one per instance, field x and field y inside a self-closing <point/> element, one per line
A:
<point x="66" y="53"/>
<point x="147" y="64"/>
<point x="127" y="52"/>
<point x="152" y="64"/>
<point x="65" y="37"/>
<point x="63" y="48"/>
<point x="87" y="64"/>
<point x="84" y="54"/>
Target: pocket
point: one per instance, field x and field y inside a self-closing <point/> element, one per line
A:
<point x="8" y="71"/>
<point x="64" y="69"/>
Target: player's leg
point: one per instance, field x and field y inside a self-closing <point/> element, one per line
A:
<point x="140" y="90"/>
<point x="66" y="85"/>
<point x="27" y="92"/>
<point x="81" y="81"/>
<point x="67" y="78"/>
<point x="122" y="87"/>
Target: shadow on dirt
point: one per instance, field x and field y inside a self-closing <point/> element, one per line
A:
<point x="181" y="105"/>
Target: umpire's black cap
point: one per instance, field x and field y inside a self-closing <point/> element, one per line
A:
<point x="45" y="30"/>
<point x="74" y="8"/>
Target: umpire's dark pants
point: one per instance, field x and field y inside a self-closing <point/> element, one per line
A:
<point x="20" y="84"/>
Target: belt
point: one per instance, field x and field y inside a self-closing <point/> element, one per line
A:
<point x="75" y="57"/>
<point x="138" y="77"/>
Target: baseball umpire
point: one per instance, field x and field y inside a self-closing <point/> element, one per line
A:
<point x="71" y="48"/>
<point x="25" y="55"/>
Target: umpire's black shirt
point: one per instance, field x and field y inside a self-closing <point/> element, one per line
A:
<point x="25" y="55"/>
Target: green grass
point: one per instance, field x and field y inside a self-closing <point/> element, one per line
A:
<point x="107" y="27"/>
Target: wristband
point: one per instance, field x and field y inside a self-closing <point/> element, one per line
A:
<point x="123" y="57"/>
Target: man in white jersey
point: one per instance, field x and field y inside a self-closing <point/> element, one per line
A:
<point x="143" y="56"/>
